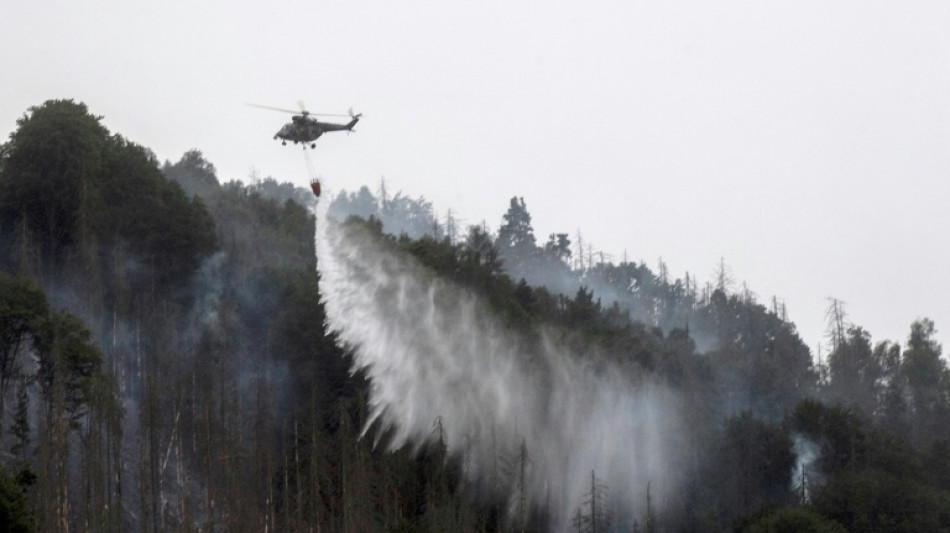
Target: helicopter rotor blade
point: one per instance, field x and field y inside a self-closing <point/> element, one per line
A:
<point x="302" y="110"/>
<point x="282" y="110"/>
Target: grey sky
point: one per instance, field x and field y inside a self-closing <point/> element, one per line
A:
<point x="805" y="142"/>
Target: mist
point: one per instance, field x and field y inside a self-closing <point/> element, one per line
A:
<point x="442" y="366"/>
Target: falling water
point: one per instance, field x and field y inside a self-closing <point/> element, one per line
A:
<point x="434" y="351"/>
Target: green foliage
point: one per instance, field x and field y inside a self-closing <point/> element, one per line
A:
<point x="22" y="307"/>
<point x="257" y="231"/>
<point x="75" y="190"/>
<point x="52" y="161"/>
<point x="359" y="204"/>
<point x="792" y="520"/>
<point x="856" y="372"/>
<point x="516" y="234"/>
<point x="55" y="350"/>
<point x="400" y="214"/>
<point x="935" y="465"/>
<point x="872" y="500"/>
<point x="69" y="359"/>
<point x="928" y="382"/>
<point x="21" y="419"/>
<point x="757" y="361"/>
<point x="838" y="430"/>
<point x="414" y="218"/>
<point x="16" y="516"/>
<point x="165" y="229"/>
<point x="760" y="459"/>
<point x="246" y="390"/>
<point x="761" y="361"/>
<point x="294" y="331"/>
<point x="64" y="346"/>
<point x="875" y="481"/>
<point x="559" y="245"/>
<point x="194" y="173"/>
<point x="849" y="442"/>
<point x="281" y="192"/>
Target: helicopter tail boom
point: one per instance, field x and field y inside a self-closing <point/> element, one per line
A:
<point x="355" y="118"/>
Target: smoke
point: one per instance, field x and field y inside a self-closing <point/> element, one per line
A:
<point x="436" y="355"/>
<point x="806" y="476"/>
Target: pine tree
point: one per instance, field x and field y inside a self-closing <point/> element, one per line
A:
<point x="591" y="516"/>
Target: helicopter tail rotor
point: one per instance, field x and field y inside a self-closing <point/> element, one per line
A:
<point x="354" y="118"/>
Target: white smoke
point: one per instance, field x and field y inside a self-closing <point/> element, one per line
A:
<point x="806" y="476"/>
<point x="433" y="351"/>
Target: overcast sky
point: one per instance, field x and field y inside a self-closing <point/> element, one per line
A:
<point x="807" y="143"/>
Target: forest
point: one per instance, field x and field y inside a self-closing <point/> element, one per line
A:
<point x="165" y="365"/>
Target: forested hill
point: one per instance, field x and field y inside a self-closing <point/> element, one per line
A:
<point x="164" y="366"/>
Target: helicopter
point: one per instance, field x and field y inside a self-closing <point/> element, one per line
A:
<point x="306" y="130"/>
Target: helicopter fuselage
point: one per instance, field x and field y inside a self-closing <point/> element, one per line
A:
<point x="304" y="129"/>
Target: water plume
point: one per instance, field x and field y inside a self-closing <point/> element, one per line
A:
<point x="435" y="352"/>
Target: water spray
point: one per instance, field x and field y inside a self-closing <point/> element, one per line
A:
<point x="434" y="351"/>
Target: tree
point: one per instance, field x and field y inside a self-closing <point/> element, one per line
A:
<point x="195" y="174"/>
<point x="591" y="516"/>
<point x="837" y="326"/>
<point x="559" y="245"/>
<point x="583" y="311"/>
<point x="47" y="176"/>
<point x="74" y="397"/>
<point x="170" y="233"/>
<point x="872" y="500"/>
<point x="69" y="358"/>
<point x="856" y="374"/>
<point x="762" y="361"/>
<point x="22" y="307"/>
<point x="15" y="514"/>
<point x="480" y="241"/>
<point x="361" y="203"/>
<point x="837" y="430"/>
<point x="516" y="231"/>
<point x="451" y="226"/>
<point x="516" y="242"/>
<point x="723" y="278"/>
<point x="758" y="458"/>
<point x="793" y="520"/>
<point x="80" y="193"/>
<point x="893" y="409"/>
<point x="927" y="381"/>
<point x="414" y="218"/>
<point x="21" y="420"/>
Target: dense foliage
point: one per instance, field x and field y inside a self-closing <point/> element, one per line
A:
<point x="164" y="365"/>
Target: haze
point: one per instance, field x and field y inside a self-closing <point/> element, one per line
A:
<point x="804" y="143"/>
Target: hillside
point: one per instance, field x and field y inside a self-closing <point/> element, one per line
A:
<point x="172" y="360"/>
